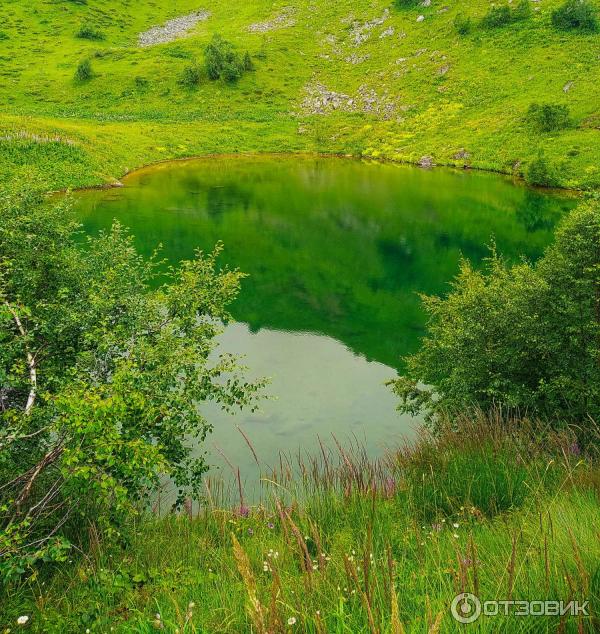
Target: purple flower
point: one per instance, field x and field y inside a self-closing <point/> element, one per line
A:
<point x="270" y="525"/>
<point x="389" y="487"/>
<point x="244" y="511"/>
<point x="574" y="449"/>
<point x="436" y="527"/>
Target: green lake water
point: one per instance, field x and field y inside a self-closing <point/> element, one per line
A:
<point x="337" y="252"/>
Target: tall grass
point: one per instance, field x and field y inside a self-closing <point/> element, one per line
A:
<point x="339" y="543"/>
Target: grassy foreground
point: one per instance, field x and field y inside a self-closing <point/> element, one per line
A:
<point x="347" y="77"/>
<point x="348" y="546"/>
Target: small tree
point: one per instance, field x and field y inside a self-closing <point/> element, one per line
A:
<point x="548" y="117"/>
<point x="523" y="337"/>
<point x="576" y="15"/>
<point x="84" y="71"/>
<point x="102" y="369"/>
<point x="541" y="173"/>
<point x="87" y="32"/>
<point x="191" y="76"/>
<point x="462" y="24"/>
<point x="222" y="61"/>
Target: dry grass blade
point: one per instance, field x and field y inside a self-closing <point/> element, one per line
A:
<point x="397" y="627"/>
<point x="256" y="610"/>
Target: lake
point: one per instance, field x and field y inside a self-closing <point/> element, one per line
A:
<point x="337" y="252"/>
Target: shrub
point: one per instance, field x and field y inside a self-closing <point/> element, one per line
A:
<point x="548" y="117"/>
<point x="89" y="33"/>
<point x="462" y="24"/>
<point x="222" y="61"/>
<point x="247" y="62"/>
<point x="84" y="71"/>
<point x="406" y="4"/>
<point x="497" y="16"/>
<point x="575" y="15"/>
<point x="102" y="369"/>
<point x="541" y="173"/>
<point x="523" y="337"/>
<point x="502" y="16"/>
<point x="191" y="76"/>
<point x="3" y="35"/>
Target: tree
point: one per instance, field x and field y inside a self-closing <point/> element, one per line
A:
<point x="575" y="15"/>
<point x="523" y="337"/>
<point x="103" y="367"/>
<point x="222" y="61"/>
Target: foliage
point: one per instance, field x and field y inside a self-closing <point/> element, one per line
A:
<point x="102" y="368"/>
<point x="541" y="173"/>
<point x="525" y="337"/>
<point x="502" y="15"/>
<point x="84" y="71"/>
<point x="87" y="32"/>
<point x="223" y="62"/>
<point x="354" y="545"/>
<point x="462" y="24"/>
<point x="191" y="76"/>
<point x="406" y="4"/>
<point x="576" y="15"/>
<point x="548" y="117"/>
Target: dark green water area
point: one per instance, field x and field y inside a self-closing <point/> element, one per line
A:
<point x="337" y="252"/>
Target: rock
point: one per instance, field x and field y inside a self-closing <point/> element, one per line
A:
<point x="444" y="69"/>
<point x="426" y="162"/>
<point x="426" y="3"/>
<point x="282" y="20"/>
<point x="567" y="86"/>
<point x="461" y="155"/>
<point x="172" y="30"/>
<point x="420" y="18"/>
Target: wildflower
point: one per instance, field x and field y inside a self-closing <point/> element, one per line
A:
<point x="244" y="511"/>
<point x="575" y="449"/>
<point x="191" y="605"/>
<point x="455" y="525"/>
<point x="436" y="527"/>
<point x="23" y="620"/>
<point x="250" y="532"/>
<point x="455" y="536"/>
<point x="270" y="525"/>
<point x="292" y="620"/>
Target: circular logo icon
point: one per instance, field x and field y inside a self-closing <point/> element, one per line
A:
<point x="466" y="608"/>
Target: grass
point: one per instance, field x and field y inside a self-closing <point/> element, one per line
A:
<point x="343" y="545"/>
<point x="437" y="93"/>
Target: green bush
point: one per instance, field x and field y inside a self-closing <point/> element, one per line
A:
<point x="191" y="76"/>
<point x="247" y="62"/>
<point x="502" y="15"/>
<point x="89" y="33"/>
<point x="523" y="337"/>
<point x="576" y="15"/>
<point x="548" y="117"/>
<point x="406" y="4"/>
<point x="84" y="71"/>
<point x="462" y="24"/>
<point x="223" y="62"/>
<point x="541" y="173"/>
<point x="100" y="393"/>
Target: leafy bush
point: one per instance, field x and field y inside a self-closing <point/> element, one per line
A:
<point x="502" y="15"/>
<point x="191" y="76"/>
<point x="548" y="117"/>
<point x="223" y="62"/>
<point x="102" y="369"/>
<point x="540" y="172"/>
<point x="3" y="35"/>
<point x="406" y="4"/>
<point x="576" y="15"/>
<point x="462" y="24"/>
<point x="84" y="71"/>
<point x="86" y="32"/>
<point x="523" y="337"/>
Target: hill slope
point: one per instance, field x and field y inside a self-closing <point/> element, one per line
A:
<point x="351" y="77"/>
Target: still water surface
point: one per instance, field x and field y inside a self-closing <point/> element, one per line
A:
<point x="337" y="252"/>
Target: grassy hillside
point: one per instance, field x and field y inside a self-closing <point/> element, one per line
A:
<point x="347" y="77"/>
